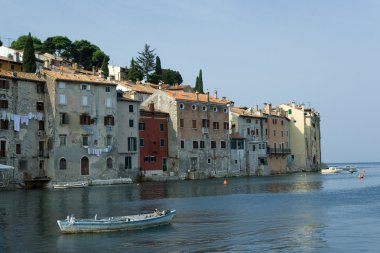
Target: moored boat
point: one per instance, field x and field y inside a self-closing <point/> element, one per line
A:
<point x="70" y="185"/>
<point x="331" y="170"/>
<point x="72" y="225"/>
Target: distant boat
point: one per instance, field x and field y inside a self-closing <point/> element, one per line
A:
<point x="70" y="185"/>
<point x="350" y="168"/>
<point x="331" y="170"/>
<point x="71" y="225"/>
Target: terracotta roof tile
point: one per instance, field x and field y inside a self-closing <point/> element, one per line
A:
<point x="246" y="112"/>
<point x="147" y="88"/>
<point x="60" y="75"/>
<point x="20" y="75"/>
<point x="180" y="95"/>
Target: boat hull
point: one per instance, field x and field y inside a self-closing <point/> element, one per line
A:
<point x="131" y="222"/>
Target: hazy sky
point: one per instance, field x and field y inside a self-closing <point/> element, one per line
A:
<point x="324" y="53"/>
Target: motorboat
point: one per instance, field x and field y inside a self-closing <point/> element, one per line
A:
<point x="70" y="185"/>
<point x="350" y="168"/>
<point x="71" y="225"/>
<point x="331" y="170"/>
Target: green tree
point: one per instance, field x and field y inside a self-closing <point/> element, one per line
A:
<point x="58" y="45"/>
<point x="21" y="41"/>
<point x="104" y="67"/>
<point x="156" y="77"/>
<point x="29" y="58"/>
<point x="87" y="54"/>
<point x="199" y="83"/>
<point x="134" y="73"/>
<point x="171" y="77"/>
<point x="145" y="61"/>
<point x="1" y="43"/>
<point x="158" y="66"/>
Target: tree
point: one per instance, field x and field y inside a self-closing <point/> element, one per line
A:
<point x="158" y="66"/>
<point x="1" y="43"/>
<point x="58" y="45"/>
<point x="21" y="41"/>
<point x="145" y="61"/>
<point x="171" y="77"/>
<point x="156" y="77"/>
<point x="104" y="67"/>
<point x="87" y="54"/>
<point x="28" y="58"/>
<point x="134" y="74"/>
<point x="199" y="83"/>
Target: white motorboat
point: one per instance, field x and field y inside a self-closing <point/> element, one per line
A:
<point x="70" y="185"/>
<point x="331" y="170"/>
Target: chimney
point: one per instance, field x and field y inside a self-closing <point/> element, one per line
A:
<point x="208" y="96"/>
<point x="151" y="106"/>
<point x="267" y="108"/>
<point x="216" y="94"/>
<point x="197" y="95"/>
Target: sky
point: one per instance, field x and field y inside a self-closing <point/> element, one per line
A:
<point x="325" y="54"/>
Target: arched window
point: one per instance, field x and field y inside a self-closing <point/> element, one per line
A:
<point x="62" y="164"/>
<point x="84" y="166"/>
<point x="109" y="163"/>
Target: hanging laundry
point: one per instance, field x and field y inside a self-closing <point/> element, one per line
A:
<point x="39" y="116"/>
<point x="3" y="115"/>
<point x="16" y="122"/>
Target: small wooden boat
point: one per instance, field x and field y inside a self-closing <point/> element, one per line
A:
<point x="72" y="225"/>
<point x="70" y="185"/>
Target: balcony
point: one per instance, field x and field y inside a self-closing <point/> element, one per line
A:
<point x="278" y="151"/>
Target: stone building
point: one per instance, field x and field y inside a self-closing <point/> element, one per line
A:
<point x="278" y="140"/>
<point x="81" y="127"/>
<point x="128" y="136"/>
<point x="197" y="133"/>
<point x="305" y="142"/>
<point x="248" y="141"/>
<point x="23" y="125"/>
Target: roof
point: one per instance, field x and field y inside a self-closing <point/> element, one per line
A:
<point x="247" y="112"/>
<point x="147" y="88"/>
<point x="127" y="98"/>
<point x="64" y="76"/>
<point x="180" y="95"/>
<point x="20" y="76"/>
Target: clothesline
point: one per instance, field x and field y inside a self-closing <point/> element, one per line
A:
<point x="20" y="119"/>
<point x="99" y="151"/>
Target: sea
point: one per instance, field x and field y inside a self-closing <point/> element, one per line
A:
<point x="303" y="212"/>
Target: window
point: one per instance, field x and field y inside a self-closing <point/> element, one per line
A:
<point x="248" y="131"/>
<point x="213" y="144"/>
<point x="208" y="160"/>
<point x="194" y="124"/>
<point x="4" y="124"/>
<point x="204" y="108"/>
<point x="12" y="67"/>
<point x="194" y="107"/>
<point x="128" y="162"/>
<point x="109" y="120"/>
<point x="84" y="101"/>
<point x="181" y="106"/>
<point x="130" y="108"/>
<point x="201" y="144"/>
<point x="108" y="89"/>
<point x="62" y="140"/>
<point x="253" y="147"/>
<point x="181" y="123"/>
<point x="257" y="132"/>
<point x="109" y="163"/>
<point x="162" y="127"/>
<point x="162" y="142"/>
<point x="290" y="111"/>
<point x="225" y="125"/>
<point x="61" y="85"/>
<point x="85" y="87"/>
<point x="4" y="84"/>
<point x="41" y="125"/>
<point x="282" y="133"/>
<point x="132" y="143"/>
<point x="62" y="164"/>
<point x="18" y="149"/>
<point x="205" y="123"/>
<point x="282" y="122"/>
<point x="131" y="123"/>
<point x="85" y="119"/>
<point x="146" y="159"/>
<point x="141" y="126"/>
<point x="2" y="148"/>
<point x="41" y="145"/>
<point x="63" y="118"/>
<point x="222" y="144"/>
<point x="40" y="106"/>
<point x="182" y="144"/>
<point x="215" y="125"/>
<point x="215" y="109"/>
<point x="225" y="110"/>
<point x="248" y="120"/>
<point x="62" y="99"/>
<point x="108" y="103"/>
<point x="85" y="140"/>
<point x="195" y="144"/>
<point x="109" y="140"/>
<point x="274" y="132"/>
<point x="40" y="88"/>
<point x="141" y="142"/>
<point x="153" y="159"/>
<point x="266" y="131"/>
<point x="3" y="104"/>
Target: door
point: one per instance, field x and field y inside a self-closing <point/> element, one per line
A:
<point x="84" y="166"/>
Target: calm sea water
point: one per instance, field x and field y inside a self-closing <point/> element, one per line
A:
<point x="305" y="212"/>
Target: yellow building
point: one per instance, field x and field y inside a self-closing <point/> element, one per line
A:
<point x="305" y="136"/>
<point x="10" y="64"/>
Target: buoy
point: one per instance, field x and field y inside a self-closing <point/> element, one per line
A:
<point x="360" y="176"/>
<point x="225" y="181"/>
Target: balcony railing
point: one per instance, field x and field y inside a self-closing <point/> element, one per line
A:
<point x="280" y="151"/>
